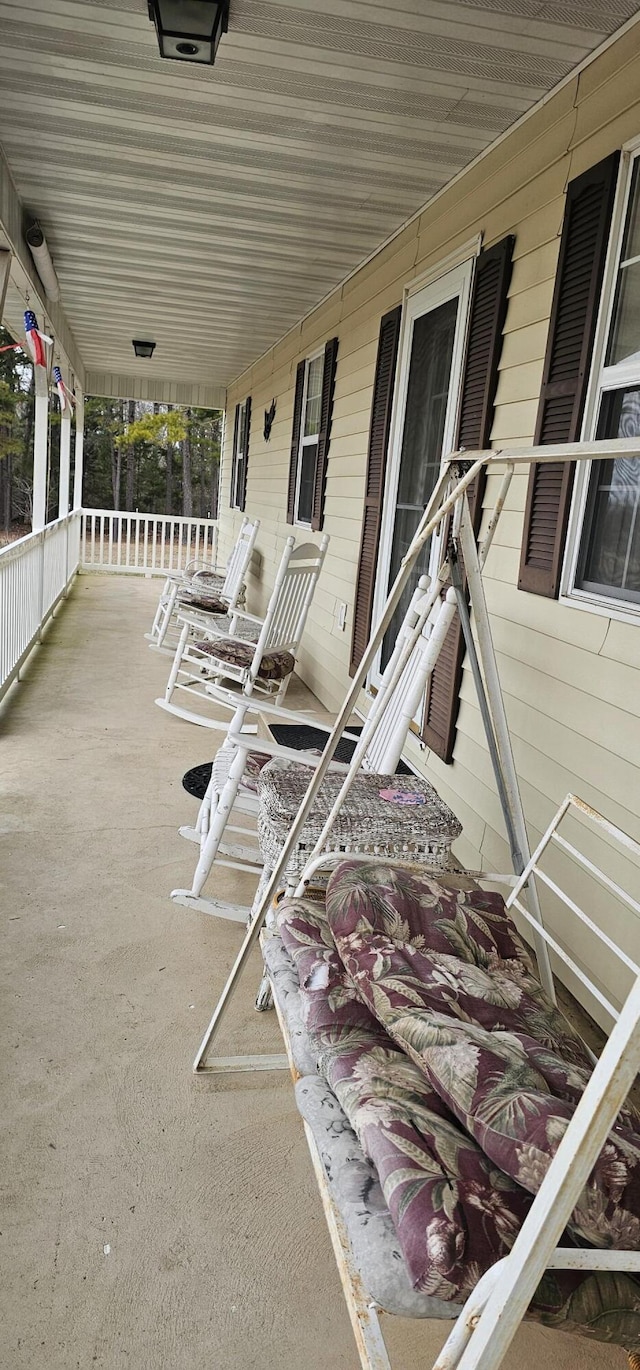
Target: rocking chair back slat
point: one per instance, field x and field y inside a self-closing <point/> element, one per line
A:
<point x="399" y="703"/>
<point x="238" y="562"/>
<point x="290" y="598"/>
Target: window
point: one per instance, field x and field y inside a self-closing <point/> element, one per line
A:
<point x="309" y="436"/>
<point x="312" y="413"/>
<point x="431" y="376"/>
<point x="241" y="434"/>
<point x="423" y="427"/>
<point x="603" y="550"/>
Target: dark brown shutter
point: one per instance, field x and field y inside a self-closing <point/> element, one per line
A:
<point x="583" y="247"/>
<point x="480" y="379"/>
<point x="242" y="492"/>
<point x="295" y="443"/>
<point x="374" y="488"/>
<point x="234" y="458"/>
<point x="324" y="436"/>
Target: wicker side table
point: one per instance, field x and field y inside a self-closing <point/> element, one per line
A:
<point x="424" y="829"/>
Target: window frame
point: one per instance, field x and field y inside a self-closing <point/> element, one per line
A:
<point x="451" y="280"/>
<point x="603" y="380"/>
<point x="308" y="440"/>
<point x="240" y="456"/>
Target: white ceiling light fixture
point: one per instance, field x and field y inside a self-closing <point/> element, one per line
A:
<point x="37" y="245"/>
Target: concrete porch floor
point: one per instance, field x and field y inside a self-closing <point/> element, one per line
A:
<point x="149" y="1220"/>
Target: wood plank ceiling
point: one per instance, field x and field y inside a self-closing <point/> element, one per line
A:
<point x="211" y="208"/>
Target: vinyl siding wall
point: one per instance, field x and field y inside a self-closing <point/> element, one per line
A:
<point x="571" y="678"/>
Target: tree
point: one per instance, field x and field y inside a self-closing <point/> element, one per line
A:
<point x="8" y="403"/>
<point x="164" y="430"/>
<point x="131" y="460"/>
<point x="187" y="486"/>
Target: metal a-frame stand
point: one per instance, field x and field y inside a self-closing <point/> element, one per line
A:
<point x="489" y="1321"/>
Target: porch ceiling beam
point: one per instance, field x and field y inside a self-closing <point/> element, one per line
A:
<point x="157" y="389"/>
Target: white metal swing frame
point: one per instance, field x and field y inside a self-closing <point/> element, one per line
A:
<point x="487" y="1325"/>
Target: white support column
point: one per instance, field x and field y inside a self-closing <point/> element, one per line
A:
<point x="77" y="478"/>
<point x="40" y="449"/>
<point x="65" y="463"/>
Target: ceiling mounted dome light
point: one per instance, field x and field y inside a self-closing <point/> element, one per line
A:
<point x="143" y="349"/>
<point x="189" y="30"/>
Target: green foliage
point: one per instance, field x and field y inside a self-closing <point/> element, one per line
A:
<point x="8" y="435"/>
<point x="155" y="460"/>
<point x="160" y="429"/>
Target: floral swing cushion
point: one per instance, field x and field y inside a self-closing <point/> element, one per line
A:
<point x="433" y="1092"/>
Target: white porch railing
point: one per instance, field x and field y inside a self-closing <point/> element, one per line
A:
<point x="34" y="574"/>
<point x="144" y="544"/>
<point x="35" y="571"/>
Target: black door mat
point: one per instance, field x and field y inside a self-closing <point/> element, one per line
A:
<point x="302" y="737"/>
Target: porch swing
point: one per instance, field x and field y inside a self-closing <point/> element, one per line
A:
<point x="504" y="1289"/>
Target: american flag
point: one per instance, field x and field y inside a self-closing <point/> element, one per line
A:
<point x="67" y="397"/>
<point x="35" y="338"/>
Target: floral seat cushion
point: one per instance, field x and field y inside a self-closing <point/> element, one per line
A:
<point x="445" y="972"/>
<point x="213" y="579"/>
<point x="420" y="1152"/>
<point x="203" y="599"/>
<point x="354" y="1186"/>
<point x="232" y="652"/>
<point x="454" y="1211"/>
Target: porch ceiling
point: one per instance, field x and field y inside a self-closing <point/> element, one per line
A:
<point x="210" y="208"/>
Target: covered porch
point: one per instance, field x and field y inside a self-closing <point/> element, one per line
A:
<point x="306" y="195"/>
<point x="152" y="1220"/>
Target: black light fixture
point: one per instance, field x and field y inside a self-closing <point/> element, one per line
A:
<point x="143" y="349"/>
<point x="189" y="30"/>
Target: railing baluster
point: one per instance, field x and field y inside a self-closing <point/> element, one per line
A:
<point x="99" y="539"/>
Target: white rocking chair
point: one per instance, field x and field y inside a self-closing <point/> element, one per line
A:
<point x="209" y="594"/>
<point x="423" y="824"/>
<point x="263" y="669"/>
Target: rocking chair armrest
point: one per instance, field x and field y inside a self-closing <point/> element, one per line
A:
<point x="242" y="613"/>
<point x="195" y="622"/>
<point x="296" y="716"/>
<point x="275" y="749"/>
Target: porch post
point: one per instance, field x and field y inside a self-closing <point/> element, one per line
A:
<point x="77" y="475"/>
<point x="40" y="449"/>
<point x="65" y="463"/>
